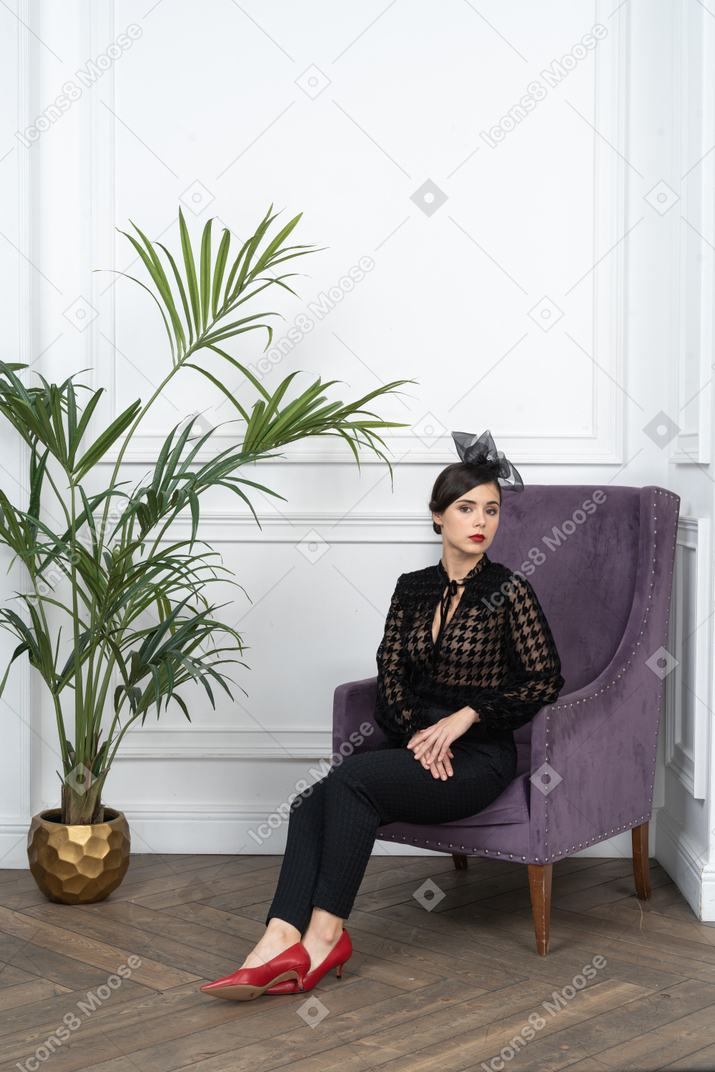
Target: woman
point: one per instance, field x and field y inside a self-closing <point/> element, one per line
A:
<point x="466" y="658"/>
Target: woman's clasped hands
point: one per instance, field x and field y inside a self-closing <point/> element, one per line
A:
<point x="431" y="745"/>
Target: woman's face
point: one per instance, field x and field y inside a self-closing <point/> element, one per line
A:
<point x="476" y="513"/>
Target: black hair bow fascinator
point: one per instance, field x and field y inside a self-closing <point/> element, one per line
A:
<point x="481" y="450"/>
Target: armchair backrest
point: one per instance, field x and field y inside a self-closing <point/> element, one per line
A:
<point x="579" y="546"/>
<point x="589" y="546"/>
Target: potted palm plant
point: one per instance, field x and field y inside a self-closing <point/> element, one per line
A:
<point x="116" y="615"/>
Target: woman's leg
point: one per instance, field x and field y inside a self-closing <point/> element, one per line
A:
<point x="292" y="912"/>
<point x="291" y="908"/>
<point x="292" y="901"/>
<point x="374" y="788"/>
<point x="330" y="841"/>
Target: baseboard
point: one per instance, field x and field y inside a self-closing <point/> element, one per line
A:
<point x="227" y="831"/>
<point x="687" y="866"/>
<point x="242" y="830"/>
<point x="13" y="843"/>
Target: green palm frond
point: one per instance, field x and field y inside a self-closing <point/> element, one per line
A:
<point x="102" y="558"/>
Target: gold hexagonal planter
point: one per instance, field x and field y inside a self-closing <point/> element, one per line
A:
<point x="78" y="864"/>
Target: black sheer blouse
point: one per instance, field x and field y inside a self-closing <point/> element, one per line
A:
<point x="496" y="653"/>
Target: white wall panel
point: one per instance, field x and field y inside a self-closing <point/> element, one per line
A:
<point x="456" y="297"/>
<point x="344" y="113"/>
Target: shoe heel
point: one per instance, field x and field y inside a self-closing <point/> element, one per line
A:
<point x="340" y="971"/>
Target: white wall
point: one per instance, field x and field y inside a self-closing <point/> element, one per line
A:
<point x="562" y="215"/>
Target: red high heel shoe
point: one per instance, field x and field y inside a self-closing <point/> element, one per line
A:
<point x="339" y="954"/>
<point x="289" y="966"/>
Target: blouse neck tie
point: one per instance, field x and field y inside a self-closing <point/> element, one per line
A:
<point x="449" y="591"/>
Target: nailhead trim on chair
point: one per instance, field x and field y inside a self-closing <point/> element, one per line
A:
<point x="660" y="695"/>
<point x="426" y="843"/>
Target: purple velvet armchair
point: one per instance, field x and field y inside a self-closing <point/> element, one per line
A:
<point x="603" y="566"/>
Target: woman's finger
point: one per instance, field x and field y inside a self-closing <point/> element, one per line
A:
<point x="429" y="732"/>
<point x="440" y="770"/>
<point x="427" y="763"/>
<point x="414" y="742"/>
<point x="445" y="751"/>
<point x="439" y="747"/>
<point x="423" y="746"/>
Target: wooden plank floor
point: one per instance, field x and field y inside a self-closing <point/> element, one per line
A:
<point x="441" y="987"/>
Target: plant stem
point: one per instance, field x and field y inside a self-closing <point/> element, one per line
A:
<point x="79" y="713"/>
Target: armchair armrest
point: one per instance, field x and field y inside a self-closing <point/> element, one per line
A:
<point x="353" y="707"/>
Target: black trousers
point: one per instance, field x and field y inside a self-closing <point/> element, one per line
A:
<point x="332" y="824"/>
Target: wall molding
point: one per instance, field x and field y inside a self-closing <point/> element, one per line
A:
<point x="687" y="865"/>
<point x="296" y="527"/>
<point x="98" y="156"/>
<point x="337" y="527"/>
<point x="692" y="372"/>
<point x="604" y="445"/>
<point x="227" y="742"/>
<point x="611" y="101"/>
<point x="690" y="699"/>
<point x="21" y="769"/>
<point x="409" y="449"/>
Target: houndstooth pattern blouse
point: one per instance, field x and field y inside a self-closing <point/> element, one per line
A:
<point x="495" y="654"/>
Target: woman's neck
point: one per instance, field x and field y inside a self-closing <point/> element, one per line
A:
<point x="457" y="565"/>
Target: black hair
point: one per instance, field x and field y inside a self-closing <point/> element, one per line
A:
<point x="454" y="482"/>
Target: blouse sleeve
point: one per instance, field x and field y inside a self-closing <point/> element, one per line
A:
<point x="535" y="668"/>
<point x="399" y="712"/>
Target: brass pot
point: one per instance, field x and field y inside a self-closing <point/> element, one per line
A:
<point x="78" y="864"/>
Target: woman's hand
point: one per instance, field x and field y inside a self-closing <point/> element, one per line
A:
<point x="439" y="769"/>
<point x="431" y="745"/>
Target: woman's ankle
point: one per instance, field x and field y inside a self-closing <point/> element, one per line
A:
<point x="279" y="930"/>
<point x="323" y="927"/>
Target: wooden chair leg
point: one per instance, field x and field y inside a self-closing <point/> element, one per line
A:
<point x="540" y="886"/>
<point x="641" y="864"/>
<point x="460" y="862"/>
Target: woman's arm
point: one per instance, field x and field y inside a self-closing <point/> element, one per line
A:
<point x="535" y="668"/>
<point x="534" y="680"/>
<point x="398" y="711"/>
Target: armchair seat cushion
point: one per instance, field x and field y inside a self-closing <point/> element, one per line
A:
<point x="509" y="808"/>
<point x="512" y="807"/>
